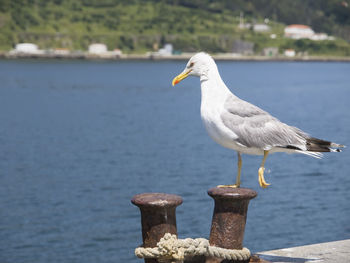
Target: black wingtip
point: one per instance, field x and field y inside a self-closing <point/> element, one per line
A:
<point x="317" y="145"/>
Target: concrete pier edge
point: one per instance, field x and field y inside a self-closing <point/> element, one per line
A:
<point x="329" y="252"/>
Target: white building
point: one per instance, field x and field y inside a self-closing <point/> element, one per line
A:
<point x="321" y="36"/>
<point x="27" y="48"/>
<point x="261" y="28"/>
<point x="302" y="31"/>
<point x="117" y="51"/>
<point x="298" y="31"/>
<point x="167" y="50"/>
<point x="289" y="53"/>
<point x="98" y="49"/>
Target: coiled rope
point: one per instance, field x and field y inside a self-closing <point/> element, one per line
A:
<point x="170" y="247"/>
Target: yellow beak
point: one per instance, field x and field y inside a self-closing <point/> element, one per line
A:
<point x="180" y="77"/>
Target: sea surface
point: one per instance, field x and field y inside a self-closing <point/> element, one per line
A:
<point x="79" y="138"/>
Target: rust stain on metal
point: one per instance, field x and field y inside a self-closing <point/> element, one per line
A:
<point x="257" y="259"/>
<point x="157" y="216"/>
<point x="156" y="200"/>
<point x="229" y="217"/>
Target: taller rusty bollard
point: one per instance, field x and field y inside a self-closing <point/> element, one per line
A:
<point x="229" y="218"/>
<point x="157" y="217"/>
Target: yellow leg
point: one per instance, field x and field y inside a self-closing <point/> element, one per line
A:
<point x="239" y="165"/>
<point x="262" y="181"/>
<point x="238" y="178"/>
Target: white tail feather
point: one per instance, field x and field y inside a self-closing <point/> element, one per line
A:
<point x="336" y="145"/>
<point x="317" y="155"/>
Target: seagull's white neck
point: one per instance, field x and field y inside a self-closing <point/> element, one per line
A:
<point x="214" y="90"/>
<point x="214" y="96"/>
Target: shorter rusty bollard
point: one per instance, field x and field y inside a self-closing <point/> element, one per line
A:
<point x="157" y="217"/>
<point x="229" y="218"/>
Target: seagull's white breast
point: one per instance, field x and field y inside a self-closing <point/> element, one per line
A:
<point x="216" y="128"/>
<point x="212" y="106"/>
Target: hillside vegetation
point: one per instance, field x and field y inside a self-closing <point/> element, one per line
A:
<point x="137" y="26"/>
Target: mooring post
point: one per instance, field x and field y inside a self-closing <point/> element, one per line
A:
<point x="229" y="218"/>
<point x="157" y="217"/>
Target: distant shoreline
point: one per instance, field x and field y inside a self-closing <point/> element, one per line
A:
<point x="185" y="56"/>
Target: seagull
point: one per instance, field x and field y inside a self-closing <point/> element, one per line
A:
<point x="241" y="126"/>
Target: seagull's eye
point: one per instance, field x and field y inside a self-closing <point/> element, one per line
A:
<point x="191" y="65"/>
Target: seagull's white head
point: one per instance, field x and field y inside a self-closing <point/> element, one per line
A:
<point x="198" y="65"/>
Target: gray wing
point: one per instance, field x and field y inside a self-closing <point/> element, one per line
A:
<point x="257" y="128"/>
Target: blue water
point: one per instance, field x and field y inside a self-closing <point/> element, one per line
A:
<point x="78" y="139"/>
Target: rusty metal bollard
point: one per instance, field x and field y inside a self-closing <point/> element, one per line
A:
<point x="229" y="218"/>
<point x="157" y="217"/>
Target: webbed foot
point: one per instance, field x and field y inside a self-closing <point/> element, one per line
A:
<point x="262" y="181"/>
